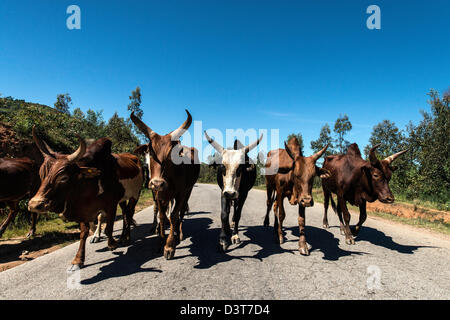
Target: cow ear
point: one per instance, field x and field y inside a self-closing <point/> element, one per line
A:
<point x="323" y="173"/>
<point x="142" y="149"/>
<point x="88" y="173"/>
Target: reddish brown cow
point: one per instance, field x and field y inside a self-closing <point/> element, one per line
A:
<point x="294" y="180"/>
<point x="174" y="170"/>
<point x="356" y="181"/>
<point x="81" y="185"/>
<point x="19" y="179"/>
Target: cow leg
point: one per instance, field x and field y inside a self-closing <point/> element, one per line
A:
<point x="339" y="214"/>
<point x="184" y="210"/>
<point x="302" y="244"/>
<point x="362" y="218"/>
<point x="171" y="242"/>
<point x="162" y="208"/>
<point x="326" y="202"/>
<point x="281" y="216"/>
<point x="346" y="216"/>
<point x="110" y="217"/>
<point x="97" y="234"/>
<point x="11" y="216"/>
<point x="225" y="233"/>
<point x="126" y="222"/>
<point x="154" y="227"/>
<point x="236" y="217"/>
<point x="32" y="231"/>
<point x="80" y="256"/>
<point x="270" y="200"/>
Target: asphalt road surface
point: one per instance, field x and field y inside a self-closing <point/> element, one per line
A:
<point x="389" y="261"/>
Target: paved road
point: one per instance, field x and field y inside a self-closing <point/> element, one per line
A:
<point x="411" y="264"/>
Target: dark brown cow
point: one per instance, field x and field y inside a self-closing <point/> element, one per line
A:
<point x="174" y="170"/>
<point x="131" y="177"/>
<point x="356" y="181"/>
<point x="81" y="185"/>
<point x="19" y="179"/>
<point x="294" y="180"/>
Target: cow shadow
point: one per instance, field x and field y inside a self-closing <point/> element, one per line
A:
<point x="324" y="241"/>
<point x="205" y="242"/>
<point x="379" y="238"/>
<point x="143" y="249"/>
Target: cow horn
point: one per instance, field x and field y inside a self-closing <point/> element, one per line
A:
<point x="253" y="145"/>
<point x="318" y="154"/>
<point x="394" y="156"/>
<point x="216" y="146"/>
<point x="288" y="150"/>
<point x="372" y="156"/>
<point x="176" y="134"/>
<point x="79" y="152"/>
<point x="142" y="126"/>
<point x="41" y="145"/>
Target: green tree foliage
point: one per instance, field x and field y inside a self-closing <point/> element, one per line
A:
<point x="135" y="103"/>
<point x="324" y="139"/>
<point x="121" y="134"/>
<point x="63" y="102"/>
<point x="299" y="138"/>
<point x="341" y="127"/>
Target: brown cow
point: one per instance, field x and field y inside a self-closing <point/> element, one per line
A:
<point x="131" y="177"/>
<point x="174" y="170"/>
<point x="356" y="181"/>
<point x="19" y="179"/>
<point x="294" y="180"/>
<point x="81" y="185"/>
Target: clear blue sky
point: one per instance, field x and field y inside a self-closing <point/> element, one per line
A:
<point x="291" y="65"/>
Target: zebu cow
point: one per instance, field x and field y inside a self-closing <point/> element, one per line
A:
<point x="235" y="177"/>
<point x="80" y="185"/>
<point x="294" y="180"/>
<point x="356" y="181"/>
<point x="19" y="179"/>
<point x="174" y="170"/>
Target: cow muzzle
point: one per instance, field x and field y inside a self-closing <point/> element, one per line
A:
<point x="229" y="194"/>
<point x="388" y="199"/>
<point x="306" y="201"/>
<point x="158" y="184"/>
<point x="37" y="205"/>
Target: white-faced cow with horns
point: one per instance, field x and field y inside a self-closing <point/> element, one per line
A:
<point x="236" y="175"/>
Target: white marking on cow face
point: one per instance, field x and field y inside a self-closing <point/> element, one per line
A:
<point x="231" y="160"/>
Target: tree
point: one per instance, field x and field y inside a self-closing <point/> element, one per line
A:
<point x="63" y="102"/>
<point x="299" y="138"/>
<point x="389" y="136"/>
<point x="121" y="134"/>
<point x="341" y="127"/>
<point x="135" y="103"/>
<point x="324" y="139"/>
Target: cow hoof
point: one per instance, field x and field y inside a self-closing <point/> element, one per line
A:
<point x="223" y="246"/>
<point x="95" y="239"/>
<point x="281" y="240"/>
<point x="75" y="267"/>
<point x="112" y="245"/>
<point x="342" y="232"/>
<point x="125" y="241"/>
<point x="326" y="225"/>
<point x="349" y="241"/>
<point x="354" y="231"/>
<point x="266" y="223"/>
<point x="235" y="239"/>
<point x="169" y="253"/>
<point x="304" y="251"/>
<point x="30" y="234"/>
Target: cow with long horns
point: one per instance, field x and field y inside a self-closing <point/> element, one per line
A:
<point x="356" y="181"/>
<point x="294" y="180"/>
<point x="235" y="177"/>
<point x="174" y="169"/>
<point x="82" y="184"/>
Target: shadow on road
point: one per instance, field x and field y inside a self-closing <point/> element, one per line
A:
<point x="142" y="250"/>
<point x="379" y="238"/>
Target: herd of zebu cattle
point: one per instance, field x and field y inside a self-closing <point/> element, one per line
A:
<point x="88" y="184"/>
